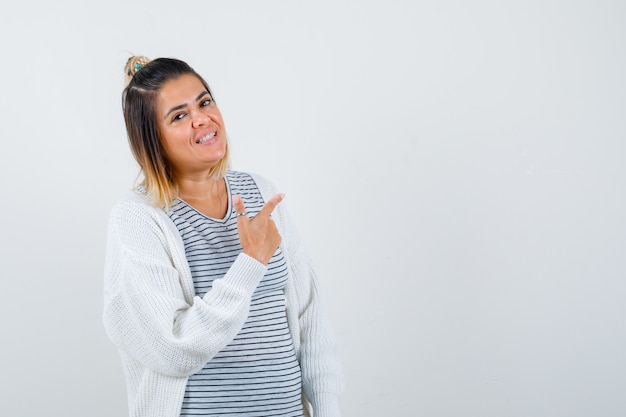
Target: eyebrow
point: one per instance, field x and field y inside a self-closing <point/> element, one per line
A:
<point x="182" y="106"/>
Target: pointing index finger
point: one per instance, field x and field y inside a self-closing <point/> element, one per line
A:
<point x="271" y="204"/>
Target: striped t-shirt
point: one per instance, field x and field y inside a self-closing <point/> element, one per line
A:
<point x="257" y="373"/>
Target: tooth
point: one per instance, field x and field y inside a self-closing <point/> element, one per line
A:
<point x="206" y="138"/>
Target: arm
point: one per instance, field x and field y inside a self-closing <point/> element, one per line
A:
<point x="150" y="312"/>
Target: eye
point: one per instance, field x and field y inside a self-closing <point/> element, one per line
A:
<point x="206" y="102"/>
<point x="178" y="117"/>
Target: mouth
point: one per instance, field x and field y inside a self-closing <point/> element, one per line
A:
<point x="206" y="138"/>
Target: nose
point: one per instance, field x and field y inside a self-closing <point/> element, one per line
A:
<point x="199" y="119"/>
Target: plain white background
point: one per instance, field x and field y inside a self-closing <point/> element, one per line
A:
<point x="455" y="167"/>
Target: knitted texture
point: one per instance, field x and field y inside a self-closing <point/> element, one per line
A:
<point x="165" y="333"/>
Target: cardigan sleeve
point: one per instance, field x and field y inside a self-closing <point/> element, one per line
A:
<point x="322" y="374"/>
<point x="149" y="314"/>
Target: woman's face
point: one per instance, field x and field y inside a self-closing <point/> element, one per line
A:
<point x="190" y="126"/>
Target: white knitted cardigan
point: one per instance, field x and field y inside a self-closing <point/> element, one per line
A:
<point x="165" y="333"/>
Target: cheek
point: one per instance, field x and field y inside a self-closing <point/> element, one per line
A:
<point x="225" y="146"/>
<point x="171" y="138"/>
<point x="169" y="144"/>
<point x="217" y="117"/>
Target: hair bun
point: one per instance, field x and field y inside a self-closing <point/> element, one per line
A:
<point x="133" y="65"/>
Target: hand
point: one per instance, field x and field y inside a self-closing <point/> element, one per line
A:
<point x="258" y="236"/>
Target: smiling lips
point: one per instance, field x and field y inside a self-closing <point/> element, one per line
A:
<point x="206" y="138"/>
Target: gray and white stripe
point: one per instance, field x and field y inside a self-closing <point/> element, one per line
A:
<point x="257" y="373"/>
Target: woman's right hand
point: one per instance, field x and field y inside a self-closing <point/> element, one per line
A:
<point x="258" y="236"/>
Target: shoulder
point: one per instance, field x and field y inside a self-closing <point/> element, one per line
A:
<point x="133" y="214"/>
<point x="143" y="229"/>
<point x="134" y="201"/>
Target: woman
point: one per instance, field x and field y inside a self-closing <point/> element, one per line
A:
<point x="209" y="295"/>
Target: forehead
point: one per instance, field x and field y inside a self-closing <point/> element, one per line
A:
<point x="182" y="90"/>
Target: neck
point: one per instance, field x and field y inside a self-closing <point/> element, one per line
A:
<point x="206" y="188"/>
<point x="207" y="195"/>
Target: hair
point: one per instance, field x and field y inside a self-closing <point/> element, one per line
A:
<point x="145" y="78"/>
